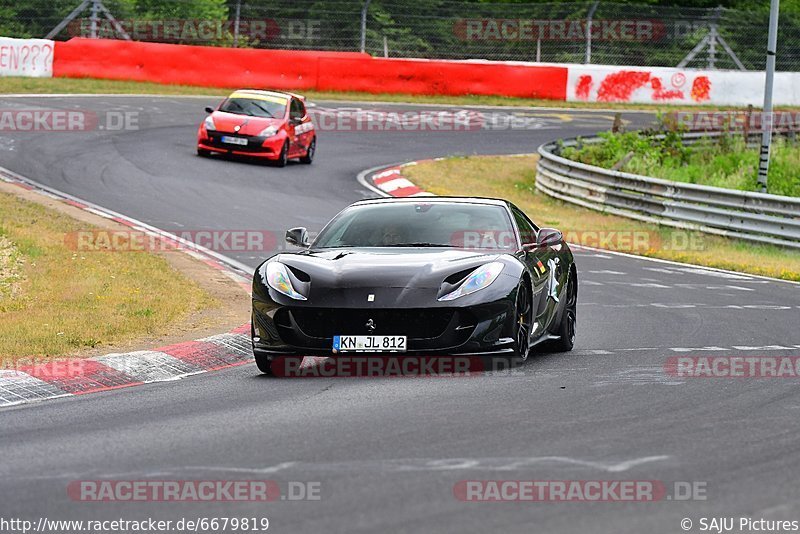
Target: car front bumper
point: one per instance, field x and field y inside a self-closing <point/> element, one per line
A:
<point x="257" y="147"/>
<point x="482" y="329"/>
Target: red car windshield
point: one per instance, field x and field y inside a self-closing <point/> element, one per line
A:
<point x="253" y="107"/>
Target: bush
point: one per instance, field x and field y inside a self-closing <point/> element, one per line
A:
<point x="723" y="161"/>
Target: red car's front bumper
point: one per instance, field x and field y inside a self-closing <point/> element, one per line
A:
<point x="257" y="147"/>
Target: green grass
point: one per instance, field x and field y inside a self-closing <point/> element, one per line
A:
<point x="94" y="86"/>
<point x="725" y="162"/>
<point x="514" y="178"/>
<point x="55" y="300"/>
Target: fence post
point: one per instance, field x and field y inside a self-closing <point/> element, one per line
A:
<point x="236" y="24"/>
<point x="93" y="19"/>
<point x="589" y="31"/>
<point x="364" y="25"/>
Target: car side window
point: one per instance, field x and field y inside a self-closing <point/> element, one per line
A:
<point x="527" y="230"/>
<point x="297" y="110"/>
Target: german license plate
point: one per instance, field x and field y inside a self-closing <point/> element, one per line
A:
<point x="369" y="343"/>
<point x="234" y="140"/>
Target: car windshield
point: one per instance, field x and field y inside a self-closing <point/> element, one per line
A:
<point x="431" y="224"/>
<point x="255" y="107"/>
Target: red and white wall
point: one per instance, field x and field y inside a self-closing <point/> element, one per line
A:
<point x="661" y="85"/>
<point x="353" y="71"/>
<point x="26" y="57"/>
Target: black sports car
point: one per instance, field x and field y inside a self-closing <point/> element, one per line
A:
<point x="424" y="275"/>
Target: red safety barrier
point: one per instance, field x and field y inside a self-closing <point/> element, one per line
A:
<point x="189" y="65"/>
<point x="302" y="70"/>
<point x="419" y="76"/>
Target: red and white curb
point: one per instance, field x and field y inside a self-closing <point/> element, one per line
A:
<point x="390" y="181"/>
<point x="28" y="382"/>
<point x="79" y="376"/>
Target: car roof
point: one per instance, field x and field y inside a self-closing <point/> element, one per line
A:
<point x="436" y="199"/>
<point x="263" y="92"/>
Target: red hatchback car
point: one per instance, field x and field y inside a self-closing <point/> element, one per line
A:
<point x="259" y="124"/>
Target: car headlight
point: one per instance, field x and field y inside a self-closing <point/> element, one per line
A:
<point x="269" y="131"/>
<point x="277" y="277"/>
<point x="478" y="279"/>
<point x="209" y="123"/>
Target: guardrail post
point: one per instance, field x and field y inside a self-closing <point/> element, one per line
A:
<point x="766" y="138"/>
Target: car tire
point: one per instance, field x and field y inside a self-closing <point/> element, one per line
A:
<point x="566" y="329"/>
<point x="283" y="158"/>
<point x="308" y="159"/>
<point x="523" y="324"/>
<point x="203" y="153"/>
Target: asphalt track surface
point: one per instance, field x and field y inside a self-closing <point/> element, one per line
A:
<point x="387" y="453"/>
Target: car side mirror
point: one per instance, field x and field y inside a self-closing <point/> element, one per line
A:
<point x="209" y="109"/>
<point x="549" y="237"/>
<point x="297" y="236"/>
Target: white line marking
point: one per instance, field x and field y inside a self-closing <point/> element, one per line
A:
<point x="698" y="349"/>
<point x="678" y="264"/>
<point x="261" y="470"/>
<point x="441" y="464"/>
<point x="707" y="272"/>
<point x="764" y="347"/>
<point x="660" y="270"/>
<point x="737" y="288"/>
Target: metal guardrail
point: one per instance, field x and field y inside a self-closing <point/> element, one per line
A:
<point x="746" y="215"/>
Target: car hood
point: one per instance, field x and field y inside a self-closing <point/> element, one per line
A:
<point x="227" y="122"/>
<point x="419" y="268"/>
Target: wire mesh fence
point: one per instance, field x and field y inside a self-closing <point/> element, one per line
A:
<point x="596" y="32"/>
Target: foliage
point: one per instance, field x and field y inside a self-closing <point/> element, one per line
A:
<point x="724" y="161"/>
